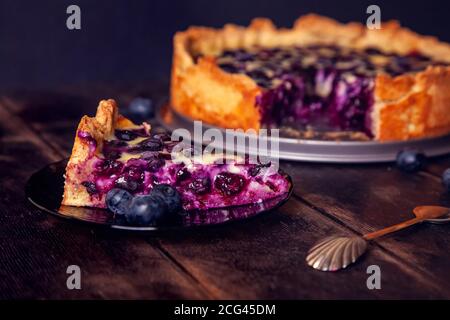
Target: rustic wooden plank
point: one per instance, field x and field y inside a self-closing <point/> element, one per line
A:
<point x="370" y="197"/>
<point x="54" y="115"/>
<point x="265" y="258"/>
<point x="212" y="259"/>
<point x="438" y="165"/>
<point x="36" y="249"/>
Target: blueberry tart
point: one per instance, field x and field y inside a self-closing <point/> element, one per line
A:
<point x="385" y="84"/>
<point x="114" y="159"/>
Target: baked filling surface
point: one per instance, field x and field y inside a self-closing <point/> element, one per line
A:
<point x="135" y="160"/>
<point x="324" y="86"/>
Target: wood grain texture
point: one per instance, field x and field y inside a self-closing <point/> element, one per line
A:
<point x="36" y="249"/>
<point x="262" y="257"/>
<point x="265" y="258"/>
<point x="371" y="197"/>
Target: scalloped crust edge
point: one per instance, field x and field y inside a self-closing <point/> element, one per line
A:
<point x="406" y="107"/>
<point x="100" y="128"/>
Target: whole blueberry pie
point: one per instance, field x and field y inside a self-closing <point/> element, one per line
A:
<point x="384" y="84"/>
<point x="112" y="157"/>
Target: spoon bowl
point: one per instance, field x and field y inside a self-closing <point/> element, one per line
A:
<point x="337" y="252"/>
<point x="442" y="212"/>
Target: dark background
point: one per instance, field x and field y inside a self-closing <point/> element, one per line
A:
<point x="131" y="41"/>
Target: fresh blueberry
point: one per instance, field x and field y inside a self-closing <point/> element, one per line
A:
<point x="118" y="200"/>
<point x="169" y="195"/>
<point x="146" y="210"/>
<point x="410" y="160"/>
<point x="229" y="183"/>
<point x="125" y="135"/>
<point x="446" y="179"/>
<point x="141" y="109"/>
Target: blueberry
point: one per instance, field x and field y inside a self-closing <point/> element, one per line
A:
<point x="229" y="67"/>
<point x="164" y="136"/>
<point x="134" y="172"/>
<point x="255" y="170"/>
<point x="229" y="183"/>
<point x="154" y="165"/>
<point x="200" y="185"/>
<point x="170" y="145"/>
<point x="182" y="174"/>
<point x="446" y="179"/>
<point x="150" y="144"/>
<point x="169" y="195"/>
<point x="91" y="188"/>
<point x="125" y="135"/>
<point x="410" y="160"/>
<point x="111" y="154"/>
<point x="373" y="51"/>
<point x="145" y="210"/>
<point x="141" y="109"/>
<point x="131" y="179"/>
<point x="130" y="185"/>
<point x="109" y="167"/>
<point x="149" y="155"/>
<point x="118" y="200"/>
<point x="113" y="144"/>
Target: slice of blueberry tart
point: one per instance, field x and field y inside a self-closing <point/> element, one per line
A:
<point x="114" y="160"/>
<point x="387" y="84"/>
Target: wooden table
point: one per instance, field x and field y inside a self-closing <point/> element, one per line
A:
<point x="263" y="257"/>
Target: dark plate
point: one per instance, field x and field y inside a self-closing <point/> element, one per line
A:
<point x="45" y="188"/>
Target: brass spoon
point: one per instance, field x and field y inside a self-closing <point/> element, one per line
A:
<point x="338" y="252"/>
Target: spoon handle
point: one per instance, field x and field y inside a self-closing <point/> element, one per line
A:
<point x="396" y="227"/>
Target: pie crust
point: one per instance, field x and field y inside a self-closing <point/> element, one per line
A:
<point x="94" y="131"/>
<point x="408" y="106"/>
<point x="111" y="152"/>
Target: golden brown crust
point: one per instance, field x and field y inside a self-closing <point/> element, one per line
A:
<point x="200" y="89"/>
<point x="413" y="106"/>
<point x="228" y="101"/>
<point x="91" y="133"/>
